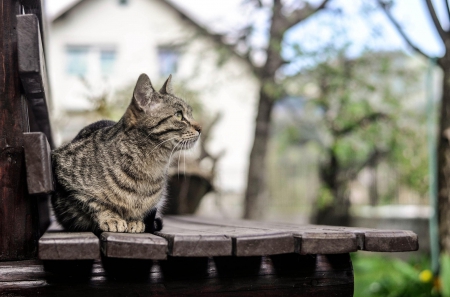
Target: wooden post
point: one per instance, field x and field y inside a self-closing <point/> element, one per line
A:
<point x="18" y="212"/>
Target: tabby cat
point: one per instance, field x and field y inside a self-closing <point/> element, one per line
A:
<point x="112" y="175"/>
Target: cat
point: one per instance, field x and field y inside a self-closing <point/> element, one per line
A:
<point x="112" y="176"/>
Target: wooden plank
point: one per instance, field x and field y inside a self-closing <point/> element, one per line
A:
<point x="391" y="241"/>
<point x="133" y="246"/>
<point x="308" y="239"/>
<point x="38" y="163"/>
<point x="36" y="7"/>
<point x="69" y="246"/>
<point x="56" y="244"/>
<point x="245" y="241"/>
<point x="195" y="243"/>
<point x="32" y="71"/>
<point x="326" y="242"/>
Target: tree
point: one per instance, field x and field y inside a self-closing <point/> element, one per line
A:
<point x="443" y="151"/>
<point x="283" y="18"/>
<point x="357" y="111"/>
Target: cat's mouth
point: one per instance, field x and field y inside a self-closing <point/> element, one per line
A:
<point x="187" y="144"/>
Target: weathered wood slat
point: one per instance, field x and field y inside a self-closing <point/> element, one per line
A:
<point x="32" y="71"/>
<point x="69" y="246"/>
<point x="38" y="163"/>
<point x="390" y="241"/>
<point x="326" y="242"/>
<point x="36" y="7"/>
<point x="245" y="241"/>
<point x="363" y="239"/>
<point x="195" y="243"/>
<point x="56" y="244"/>
<point x="133" y="246"/>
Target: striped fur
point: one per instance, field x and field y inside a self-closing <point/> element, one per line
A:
<point x="112" y="174"/>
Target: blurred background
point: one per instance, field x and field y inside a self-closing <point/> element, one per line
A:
<point x="313" y="111"/>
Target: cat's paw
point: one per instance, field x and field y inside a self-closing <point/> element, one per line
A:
<point x="114" y="225"/>
<point x="158" y="224"/>
<point x="136" y="227"/>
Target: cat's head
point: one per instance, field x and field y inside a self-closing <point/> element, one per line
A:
<point x="162" y="116"/>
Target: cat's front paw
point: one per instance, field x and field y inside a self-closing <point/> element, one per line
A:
<point x="114" y="225"/>
<point x="136" y="227"/>
<point x="158" y="224"/>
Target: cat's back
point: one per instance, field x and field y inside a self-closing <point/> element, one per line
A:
<point x="84" y="153"/>
<point x="88" y="130"/>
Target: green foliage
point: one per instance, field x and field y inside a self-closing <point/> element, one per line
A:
<point x="362" y="111"/>
<point x="377" y="276"/>
<point x="324" y="198"/>
<point x="445" y="275"/>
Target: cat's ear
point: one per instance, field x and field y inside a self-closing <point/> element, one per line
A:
<point x="143" y="91"/>
<point x="167" y="86"/>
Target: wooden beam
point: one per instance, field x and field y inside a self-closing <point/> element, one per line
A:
<point x="19" y="227"/>
<point x="281" y="275"/>
<point x="69" y="246"/>
<point x="38" y="162"/>
<point x="195" y="243"/>
<point x="33" y="72"/>
<point x="58" y="245"/>
<point x="133" y="246"/>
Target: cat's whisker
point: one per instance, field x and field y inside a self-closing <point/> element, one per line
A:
<point x="170" y="156"/>
<point x="179" y="156"/>
<point x="184" y="164"/>
<point x="161" y="143"/>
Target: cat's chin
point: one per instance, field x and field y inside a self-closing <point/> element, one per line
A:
<point x="189" y="144"/>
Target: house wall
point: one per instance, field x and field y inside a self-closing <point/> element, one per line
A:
<point x="136" y="30"/>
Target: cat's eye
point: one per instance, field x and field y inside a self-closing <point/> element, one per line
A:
<point x="179" y="115"/>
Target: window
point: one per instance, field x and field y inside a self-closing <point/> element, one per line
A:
<point x="92" y="61"/>
<point x="77" y="61"/>
<point x="107" y="59"/>
<point x="168" y="60"/>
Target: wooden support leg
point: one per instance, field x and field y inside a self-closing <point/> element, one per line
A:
<point x="280" y="275"/>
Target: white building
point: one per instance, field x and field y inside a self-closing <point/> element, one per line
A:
<point x="110" y="42"/>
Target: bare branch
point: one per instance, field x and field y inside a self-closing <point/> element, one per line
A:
<point x="364" y="121"/>
<point x="301" y="14"/>
<point x="375" y="157"/>
<point x="448" y="8"/>
<point x="435" y="19"/>
<point x="385" y="8"/>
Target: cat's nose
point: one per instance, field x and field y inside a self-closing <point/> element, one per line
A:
<point x="197" y="128"/>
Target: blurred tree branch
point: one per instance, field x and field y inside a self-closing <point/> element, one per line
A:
<point x="301" y="14"/>
<point x="361" y="123"/>
<point x="386" y="8"/>
<point x="434" y="17"/>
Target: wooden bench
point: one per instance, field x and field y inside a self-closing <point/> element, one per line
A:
<point x="190" y="256"/>
<point x="199" y="256"/>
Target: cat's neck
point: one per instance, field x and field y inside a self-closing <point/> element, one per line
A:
<point x="152" y="153"/>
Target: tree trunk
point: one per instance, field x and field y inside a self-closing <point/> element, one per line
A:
<point x="256" y="196"/>
<point x="336" y="214"/>
<point x="444" y="159"/>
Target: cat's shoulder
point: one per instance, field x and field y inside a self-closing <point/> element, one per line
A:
<point x="86" y="131"/>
